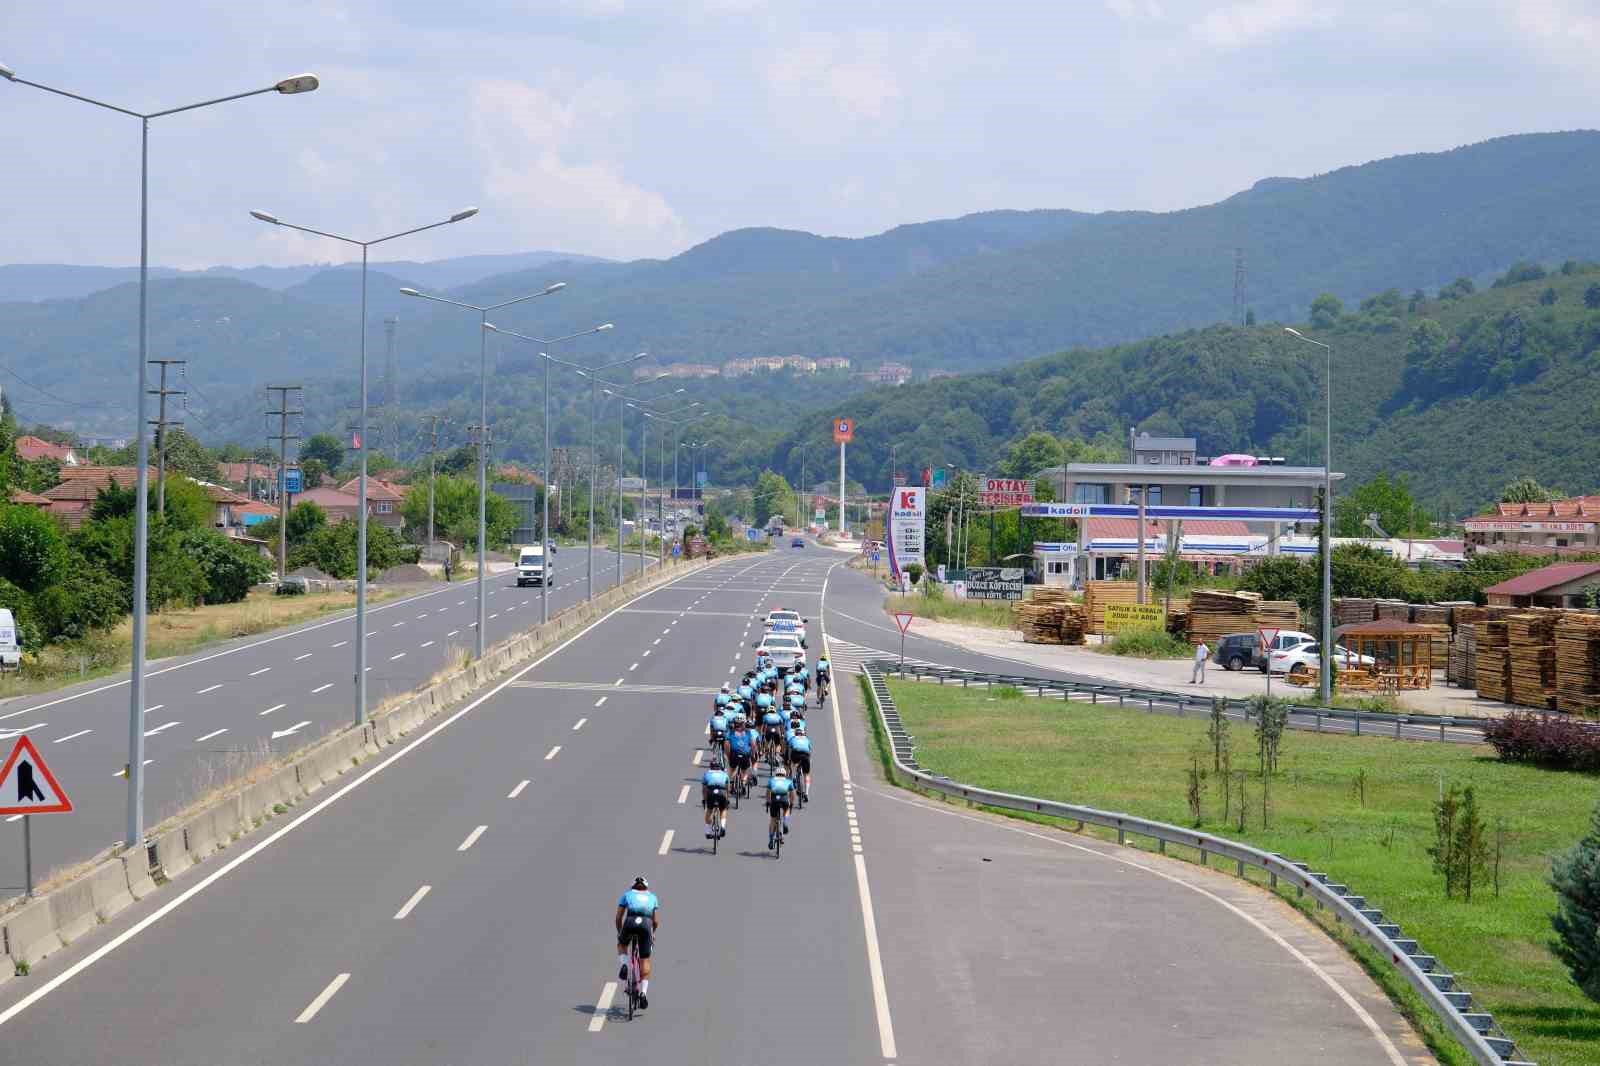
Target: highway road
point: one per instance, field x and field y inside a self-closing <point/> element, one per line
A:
<point x="450" y="901"/>
<point x="210" y="712"/>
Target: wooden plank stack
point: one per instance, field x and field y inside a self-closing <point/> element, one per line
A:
<point x="1462" y="668"/>
<point x="1349" y="611"/>
<point x="1492" y="661"/>
<point x="1393" y="611"/>
<point x="1533" y="658"/>
<point x="1049" y="617"/>
<point x="1096" y="594"/>
<point x="1578" y="664"/>
<point x="1214" y="613"/>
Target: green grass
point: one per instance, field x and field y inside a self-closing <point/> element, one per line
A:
<point x="1147" y="643"/>
<point x="1134" y="762"/>
<point x="942" y="609"/>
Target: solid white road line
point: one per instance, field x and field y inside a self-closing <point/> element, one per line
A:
<point x="322" y="688"/>
<point x="416" y="898"/>
<point x="71" y="736"/>
<point x="514" y="793"/>
<point x="472" y="838"/>
<point x="257" y="673"/>
<point x="683" y="794"/>
<point x="602" y="1006"/>
<point x="551" y="754"/>
<point x="208" y="736"/>
<point x="601" y="701"/>
<point x="160" y="728"/>
<point x="666" y="844"/>
<point x="578" y="724"/>
<point x="322" y="999"/>
<point x="203" y="691"/>
<point x="307" y="655"/>
<point x="269" y="710"/>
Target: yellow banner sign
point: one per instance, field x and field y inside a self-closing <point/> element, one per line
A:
<point x="1120" y="616"/>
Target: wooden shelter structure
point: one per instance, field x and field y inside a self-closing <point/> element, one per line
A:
<point x="1401" y="653"/>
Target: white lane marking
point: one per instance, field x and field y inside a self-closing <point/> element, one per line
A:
<point x="269" y="710"/>
<point x="257" y="673"/>
<point x="156" y="707"/>
<point x="602" y="1006"/>
<point x="492" y="617"/>
<point x="291" y="731"/>
<point x="203" y="691"/>
<point x="71" y="736"/>
<point x="322" y="999"/>
<point x="15" y="818"/>
<point x="472" y="838"/>
<point x="514" y="793"/>
<point x="632" y="668"/>
<point x="208" y="736"/>
<point x="373" y="633"/>
<point x="427" y="644"/>
<point x="322" y="688"/>
<point x="161" y="728"/>
<point x="341" y="644"/>
<point x="551" y="754"/>
<point x="452" y="633"/>
<point x="666" y="844"/>
<point x="119" y="773"/>
<point x="617" y="682"/>
<point x="664" y="632"/>
<point x="601" y="701"/>
<point x="394" y="759"/>
<point x="655" y="642"/>
<point x="697" y="754"/>
<point x="647" y="651"/>
<point x="578" y="724"/>
<point x="424" y="614"/>
<point x="683" y="794"/>
<point x="307" y="655"/>
<point x="400" y="655"/>
<point x="461" y="603"/>
<point x="416" y="898"/>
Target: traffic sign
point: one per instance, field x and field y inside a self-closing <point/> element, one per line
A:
<point x="903" y="620"/>
<point x="26" y="784"/>
<point x="1268" y="636"/>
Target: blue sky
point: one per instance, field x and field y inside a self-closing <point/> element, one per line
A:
<point x="632" y="128"/>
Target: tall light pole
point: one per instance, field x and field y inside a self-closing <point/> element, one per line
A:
<point x="617" y="390"/>
<point x="544" y="518"/>
<point x="361" y="504"/>
<point x="677" y="425"/>
<point x="1326" y="683"/>
<point x="483" y="435"/>
<point x="301" y="83"/>
<point x="644" y="478"/>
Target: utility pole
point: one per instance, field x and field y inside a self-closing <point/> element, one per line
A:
<point x="283" y="438"/>
<point x="433" y="446"/>
<point x="161" y="424"/>
<point x="482" y="436"/>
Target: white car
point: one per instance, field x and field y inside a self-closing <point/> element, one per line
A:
<point x="784" y="620"/>
<point x="784" y="648"/>
<point x="1309" y="657"/>
<point x="1286" y="640"/>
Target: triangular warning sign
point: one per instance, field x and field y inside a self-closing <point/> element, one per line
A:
<point x="26" y="784"/>
<point x="903" y="621"/>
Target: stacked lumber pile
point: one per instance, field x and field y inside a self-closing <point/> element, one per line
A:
<point x="1074" y="623"/>
<point x="1453" y="609"/>
<point x="1349" y="611"/>
<point x="1049" y="617"/>
<point x="1429" y="614"/>
<point x="1461" y="670"/>
<point x="1578" y="664"/>
<point x="1277" y="614"/>
<point x="1393" y="611"/>
<point x="1467" y="614"/>
<point x="1178" y="618"/>
<point x="1214" y="613"/>
<point x="1533" y="658"/>
<point x="1096" y="594"/>
<point x="1492" y="661"/>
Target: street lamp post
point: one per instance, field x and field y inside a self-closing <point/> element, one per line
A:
<point x="301" y="83"/>
<point x="618" y="390"/>
<point x="643" y="409"/>
<point x="361" y="505"/>
<point x="1326" y="683"/>
<point x="483" y="440"/>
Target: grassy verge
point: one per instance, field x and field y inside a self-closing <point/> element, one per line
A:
<point x="1359" y="808"/>
<point x="1147" y="644"/>
<point x="177" y="632"/>
<point x="966" y="612"/>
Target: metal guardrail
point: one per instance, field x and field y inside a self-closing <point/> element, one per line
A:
<point x="1475" y="1030"/>
<point x="1301" y="716"/>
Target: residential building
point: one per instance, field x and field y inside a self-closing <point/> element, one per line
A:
<point x="1162" y="451"/>
<point x="72" y="498"/>
<point x="30" y="448"/>
<point x="23" y="497"/>
<point x="338" y="505"/>
<point x="735" y="368"/>
<point x="833" y="362"/>
<point x="769" y="363"/>
<point x="892" y="374"/>
<point x="1558" y="585"/>
<point x="800" y="364"/>
<point x="1537" y="528"/>
<point x="383" y="500"/>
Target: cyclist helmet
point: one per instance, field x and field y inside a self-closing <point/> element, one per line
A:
<point x="640" y="882"/>
<point x="738" y="721"/>
<point x="726" y="688"/>
<point x="723" y="700"/>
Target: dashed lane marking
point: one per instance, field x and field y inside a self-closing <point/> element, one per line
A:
<point x="578" y="724"/>
<point x="666" y="843"/>
<point x="416" y="898"/>
<point x="322" y="688"/>
<point x="551" y="754"/>
<point x="514" y="793"/>
<point x="208" y="736"/>
<point x="322" y="999"/>
<point x="472" y="838"/>
<point x="269" y="710"/>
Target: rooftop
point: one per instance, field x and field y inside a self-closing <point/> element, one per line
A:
<point x="1547" y="577"/>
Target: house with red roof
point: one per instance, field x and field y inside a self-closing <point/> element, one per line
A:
<point x="1537" y="528"/>
<point x="1556" y="585"/>
<point x="29" y="448"/>
<point x="71" y="500"/>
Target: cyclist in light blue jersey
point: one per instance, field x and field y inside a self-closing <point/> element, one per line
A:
<point x="800" y="755"/>
<point x="717" y="734"/>
<point x="638" y="918"/>
<point x="741" y="748"/>
<point x="714" y="798"/>
<point x="779" y="788"/>
<point x="772" y="731"/>
<point x="824" y="679"/>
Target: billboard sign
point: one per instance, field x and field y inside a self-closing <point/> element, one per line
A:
<point x="940" y="476"/>
<point x="633" y="484"/>
<point x="908" y="511"/>
<point x="1005" y="492"/>
<point x="844" y="430"/>
<point x="1120" y="616"/>
<point x="994" y="582"/>
<point x="293" y="484"/>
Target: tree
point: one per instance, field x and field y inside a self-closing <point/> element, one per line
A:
<point x="186" y="456"/>
<point x="1326" y="310"/>
<point x="325" y="448"/>
<point x="304" y="519"/>
<point x="1548" y="297"/>
<point x="312" y="472"/>
<point x="1250" y="316"/>
<point x="455" y="511"/>
<point x="1471" y="851"/>
<point x="1526" y="490"/>
<point x="772" y="496"/>
<point x="1575" y="877"/>
<point x="1032" y="454"/>
<point x="332" y="549"/>
<point x="228" y="568"/>
<point x="1458" y="289"/>
<point x="1591" y="297"/>
<point x="1397" y="511"/>
<point x="33" y="554"/>
<point x="188" y="505"/>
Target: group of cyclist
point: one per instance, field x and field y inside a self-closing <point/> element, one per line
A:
<point x="762" y="718"/>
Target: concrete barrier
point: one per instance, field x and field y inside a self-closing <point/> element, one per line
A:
<point x="30" y="933"/>
<point x="172" y="853"/>
<point x="200" y="835"/>
<point x="72" y="910"/>
<point x="136" y="861"/>
<point x="108" y="884"/>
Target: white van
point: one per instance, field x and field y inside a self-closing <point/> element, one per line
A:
<point x="530" y="566"/>
<point x="10" y="646"/>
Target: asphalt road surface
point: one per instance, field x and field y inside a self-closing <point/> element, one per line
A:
<point x="451" y="902"/>
<point x="208" y="712"/>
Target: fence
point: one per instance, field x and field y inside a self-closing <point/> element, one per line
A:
<point x="1475" y="1030"/>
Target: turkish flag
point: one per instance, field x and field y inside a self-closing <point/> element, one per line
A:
<point x="355" y="441"/>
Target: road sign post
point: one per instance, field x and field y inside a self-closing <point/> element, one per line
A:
<point x="36" y="791"/>
<point x="903" y="620"/>
<point x="1268" y="638"/>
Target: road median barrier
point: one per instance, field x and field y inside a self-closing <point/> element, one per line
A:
<point x="1475" y="1030"/>
<point x="31" y="929"/>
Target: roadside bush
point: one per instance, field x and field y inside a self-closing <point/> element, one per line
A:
<point x="93" y="600"/>
<point x="332" y="549"/>
<point x="1551" y="741"/>
<point x="228" y="568"/>
<point x="33" y="554"/>
<point x="1148" y="643"/>
<point x="1575" y="876"/>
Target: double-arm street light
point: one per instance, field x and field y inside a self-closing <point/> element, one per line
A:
<point x="361" y="441"/>
<point x="483" y="434"/>
<point x="544" y="518"/>
<point x="619" y="391"/>
<point x="1326" y="683"/>
<point x="643" y="408"/>
<point x="677" y="425"/>
<point x="301" y="83"/>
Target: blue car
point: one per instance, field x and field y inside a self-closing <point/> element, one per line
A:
<point x="798" y="542"/>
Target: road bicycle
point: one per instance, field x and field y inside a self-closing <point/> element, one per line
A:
<point x="801" y="795"/>
<point x="717" y="762"/>
<point x="633" y="977"/>
<point x="822" y="690"/>
<point x="717" y="827"/>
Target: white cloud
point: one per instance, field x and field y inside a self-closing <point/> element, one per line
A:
<point x="1136" y="10"/>
<point x="850" y="73"/>
<point x="1563" y="31"/>
<point x="1242" y="24"/>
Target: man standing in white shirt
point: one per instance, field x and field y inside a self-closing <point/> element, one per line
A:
<point x="1201" y="652"/>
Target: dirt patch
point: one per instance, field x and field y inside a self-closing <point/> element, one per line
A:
<point x="405" y="573"/>
<point x="311" y="572"/>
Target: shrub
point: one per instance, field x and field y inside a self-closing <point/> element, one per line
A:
<point x="1148" y="643"/>
<point x="1575" y="876"/>
<point x="228" y="568"/>
<point x="92" y="600"/>
<point x="33" y="554"/>
<point x="1551" y="741"/>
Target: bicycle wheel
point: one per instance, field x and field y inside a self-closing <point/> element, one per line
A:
<point x="777" y="852"/>
<point x="633" y="978"/>
<point x="716" y="830"/>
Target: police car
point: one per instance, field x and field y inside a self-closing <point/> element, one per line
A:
<point x="784" y="648"/>
<point x="784" y="620"/>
